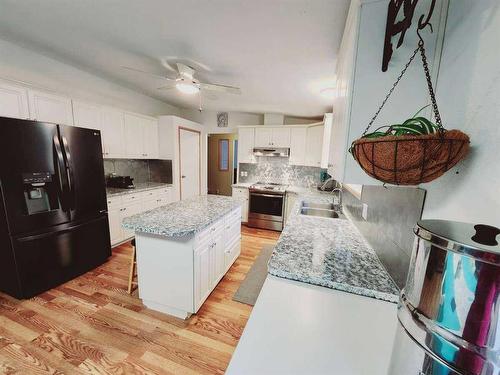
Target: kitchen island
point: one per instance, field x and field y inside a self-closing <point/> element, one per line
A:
<point x="183" y="250"/>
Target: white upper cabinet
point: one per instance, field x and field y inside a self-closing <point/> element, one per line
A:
<point x="281" y="137"/>
<point x="298" y="140"/>
<point x="112" y="133"/>
<point x="141" y="136"/>
<point x="313" y="146"/>
<point x="134" y="136"/>
<point x="263" y="137"/>
<point x="87" y="115"/>
<point x="326" y="153"/>
<point x="246" y="137"/>
<point x="151" y="149"/>
<point x="274" y="137"/>
<point x="49" y="107"/>
<point x="13" y="101"/>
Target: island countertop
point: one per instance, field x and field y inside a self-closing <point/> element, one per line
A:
<point x="183" y="218"/>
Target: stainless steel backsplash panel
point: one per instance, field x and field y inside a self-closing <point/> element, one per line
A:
<point x="392" y="214"/>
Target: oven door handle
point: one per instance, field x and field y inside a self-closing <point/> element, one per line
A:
<point x="267" y="195"/>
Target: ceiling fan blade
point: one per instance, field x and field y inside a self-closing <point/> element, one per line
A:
<point x="165" y="87"/>
<point x="220" y="88"/>
<point x="149" y="73"/>
<point x="185" y="71"/>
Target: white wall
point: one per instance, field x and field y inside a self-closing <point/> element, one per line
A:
<point x="468" y="94"/>
<point x="21" y="64"/>
<point x="235" y="119"/>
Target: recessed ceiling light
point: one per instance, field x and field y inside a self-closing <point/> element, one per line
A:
<point x="328" y="92"/>
<point x="187" y="88"/>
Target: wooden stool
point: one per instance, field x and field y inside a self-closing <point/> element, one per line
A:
<point x="133" y="269"/>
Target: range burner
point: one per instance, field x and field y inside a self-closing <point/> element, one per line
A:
<point x="269" y="187"/>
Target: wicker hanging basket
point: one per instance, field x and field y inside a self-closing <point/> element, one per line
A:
<point x="411" y="159"/>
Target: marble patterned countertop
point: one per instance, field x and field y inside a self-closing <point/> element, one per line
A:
<point x="330" y="253"/>
<point x="182" y="218"/>
<point x="140" y="186"/>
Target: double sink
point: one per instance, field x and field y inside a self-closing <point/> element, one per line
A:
<point x="319" y="209"/>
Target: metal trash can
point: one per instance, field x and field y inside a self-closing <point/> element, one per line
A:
<point x="449" y="310"/>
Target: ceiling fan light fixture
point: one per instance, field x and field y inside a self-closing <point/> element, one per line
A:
<point x="187" y="88"/>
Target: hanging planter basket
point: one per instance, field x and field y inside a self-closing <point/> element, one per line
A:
<point x="410" y="159"/>
<point x="414" y="152"/>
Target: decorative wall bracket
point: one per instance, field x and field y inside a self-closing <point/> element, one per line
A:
<point x="394" y="27"/>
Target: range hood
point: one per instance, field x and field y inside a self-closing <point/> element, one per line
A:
<point x="283" y="152"/>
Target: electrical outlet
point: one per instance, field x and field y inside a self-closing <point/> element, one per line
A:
<point x="365" y="211"/>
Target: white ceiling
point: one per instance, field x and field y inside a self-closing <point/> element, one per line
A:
<point x="280" y="52"/>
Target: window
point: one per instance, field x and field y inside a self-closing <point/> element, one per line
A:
<point x="223" y="154"/>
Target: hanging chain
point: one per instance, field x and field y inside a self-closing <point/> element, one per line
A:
<point x="429" y="85"/>
<point x="391" y="90"/>
<point x="420" y="48"/>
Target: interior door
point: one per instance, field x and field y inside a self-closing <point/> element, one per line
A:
<point x="31" y="151"/>
<point x="83" y="152"/>
<point x="189" y="152"/>
<point x="220" y="163"/>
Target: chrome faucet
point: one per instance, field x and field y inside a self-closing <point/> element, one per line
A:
<point x="337" y="199"/>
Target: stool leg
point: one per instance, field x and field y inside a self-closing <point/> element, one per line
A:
<point x="132" y="271"/>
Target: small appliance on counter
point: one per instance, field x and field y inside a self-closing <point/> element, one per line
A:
<point x="449" y="310"/>
<point x="120" y="182"/>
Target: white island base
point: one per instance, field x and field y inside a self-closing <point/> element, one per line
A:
<point x="177" y="274"/>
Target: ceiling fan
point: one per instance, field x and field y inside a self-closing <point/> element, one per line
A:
<point x="186" y="82"/>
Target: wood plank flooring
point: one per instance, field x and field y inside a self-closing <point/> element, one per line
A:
<point x="91" y="325"/>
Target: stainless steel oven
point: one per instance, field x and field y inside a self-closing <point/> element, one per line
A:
<point x="266" y="209"/>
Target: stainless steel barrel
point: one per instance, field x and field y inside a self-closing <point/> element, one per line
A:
<point x="449" y="309"/>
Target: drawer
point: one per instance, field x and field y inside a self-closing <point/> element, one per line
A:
<point x="149" y="194"/>
<point x="131" y="198"/>
<point x="207" y="234"/>
<point x="164" y="190"/>
<point x="240" y="193"/>
<point x="233" y="216"/>
<point x="114" y="202"/>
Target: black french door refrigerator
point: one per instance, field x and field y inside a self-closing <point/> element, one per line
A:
<point x="53" y="211"/>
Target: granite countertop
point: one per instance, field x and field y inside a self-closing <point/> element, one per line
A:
<point x="140" y="186"/>
<point x="330" y="253"/>
<point x="244" y="185"/>
<point x="183" y="218"/>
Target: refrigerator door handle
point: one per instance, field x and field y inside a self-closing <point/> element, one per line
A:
<point x="60" y="167"/>
<point x="69" y="171"/>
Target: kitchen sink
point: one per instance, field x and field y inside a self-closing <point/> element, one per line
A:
<point x="319" y="212"/>
<point x="322" y="206"/>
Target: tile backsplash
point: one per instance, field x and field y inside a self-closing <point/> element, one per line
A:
<point x="391" y="215"/>
<point x="140" y="170"/>
<point x="277" y="170"/>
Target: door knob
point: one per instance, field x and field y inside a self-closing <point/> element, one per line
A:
<point x="183" y="176"/>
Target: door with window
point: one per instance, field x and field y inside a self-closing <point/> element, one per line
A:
<point x="221" y="168"/>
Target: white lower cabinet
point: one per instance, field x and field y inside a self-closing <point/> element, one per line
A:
<point x="243" y="194"/>
<point x="176" y="276"/>
<point x="122" y="206"/>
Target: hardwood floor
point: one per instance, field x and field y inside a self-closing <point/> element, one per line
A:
<point x="91" y="325"/>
